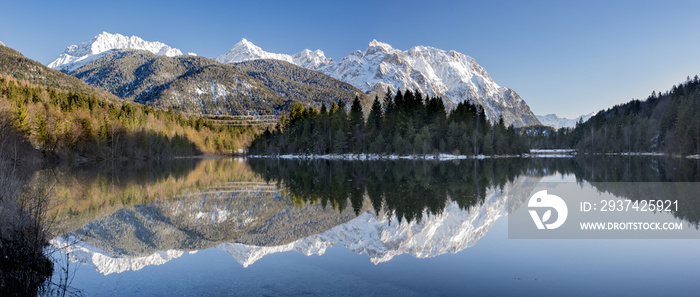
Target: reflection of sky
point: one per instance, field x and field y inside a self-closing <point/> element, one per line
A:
<point x="496" y="265"/>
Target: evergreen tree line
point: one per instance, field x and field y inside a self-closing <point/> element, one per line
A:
<point x="666" y="122"/>
<point x="405" y="123"/>
<point x="410" y="188"/>
<point x="546" y="137"/>
<point x="66" y="124"/>
<point x="401" y="187"/>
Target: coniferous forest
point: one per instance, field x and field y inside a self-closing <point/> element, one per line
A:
<point x="667" y="122"/>
<point x="405" y="123"/>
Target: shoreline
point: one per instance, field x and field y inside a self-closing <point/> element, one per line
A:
<point x="534" y="153"/>
<point x="374" y="157"/>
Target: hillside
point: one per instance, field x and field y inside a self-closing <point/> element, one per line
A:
<point x="189" y="84"/>
<point x="667" y="122"/>
<point x="67" y="119"/>
<point x="15" y="65"/>
<point x="301" y="84"/>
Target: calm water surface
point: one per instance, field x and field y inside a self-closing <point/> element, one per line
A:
<point x="227" y="227"/>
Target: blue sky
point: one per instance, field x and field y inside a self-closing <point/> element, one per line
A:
<point x="562" y="57"/>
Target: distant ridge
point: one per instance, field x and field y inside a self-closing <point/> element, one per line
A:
<point x="555" y="121"/>
<point x="78" y="55"/>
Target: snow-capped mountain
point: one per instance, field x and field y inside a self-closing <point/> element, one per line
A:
<point x="311" y="59"/>
<point x="78" y="55"/>
<point x="449" y="74"/>
<point x="555" y="121"/>
<point x="452" y="75"/>
<point x="106" y="263"/>
<point x="245" y="50"/>
<point x="186" y="83"/>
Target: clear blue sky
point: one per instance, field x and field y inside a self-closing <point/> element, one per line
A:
<point x="562" y="57"/>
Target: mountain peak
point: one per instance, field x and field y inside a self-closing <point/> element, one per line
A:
<point x="76" y="56"/>
<point x="311" y="59"/>
<point x="374" y="42"/>
<point x="377" y="46"/>
<point x="106" y="34"/>
<point x="245" y="50"/>
<point x="246" y="43"/>
<point x="246" y="46"/>
<point x="557" y="122"/>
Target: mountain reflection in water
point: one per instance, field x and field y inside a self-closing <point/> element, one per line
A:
<point x="253" y="208"/>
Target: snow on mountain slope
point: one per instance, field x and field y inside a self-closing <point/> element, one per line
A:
<point x="245" y="50"/>
<point x="311" y="59"/>
<point x="78" y="55"/>
<point x="452" y="75"/>
<point x="554" y="121"/>
<point x="106" y="263"/>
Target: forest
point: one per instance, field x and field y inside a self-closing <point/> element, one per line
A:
<point x="411" y="188"/>
<point x="667" y="122"/>
<point x="69" y="125"/>
<point x="405" y="123"/>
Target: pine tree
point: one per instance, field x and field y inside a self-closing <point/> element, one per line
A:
<point x="339" y="142"/>
<point x="374" y="119"/>
<point x="356" y="127"/>
<point x="21" y="122"/>
<point x="42" y="134"/>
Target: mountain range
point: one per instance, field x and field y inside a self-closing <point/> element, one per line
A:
<point x="431" y="71"/>
<point x="155" y="74"/>
<point x="557" y="122"/>
<point x="246" y="51"/>
<point x="449" y="74"/>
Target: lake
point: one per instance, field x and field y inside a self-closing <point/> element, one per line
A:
<point x="268" y="227"/>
